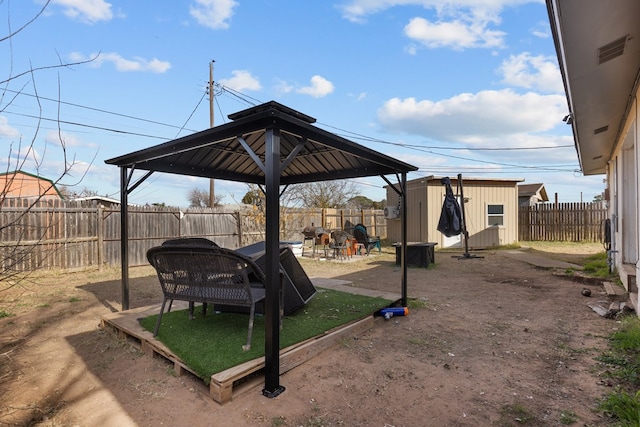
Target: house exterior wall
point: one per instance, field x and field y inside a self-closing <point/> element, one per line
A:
<point x="424" y="205"/>
<point x="623" y="204"/>
<point x="529" y="200"/>
<point x="20" y="184"/>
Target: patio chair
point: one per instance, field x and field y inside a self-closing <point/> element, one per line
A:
<point x="209" y="275"/>
<point x="190" y="241"/>
<point x="369" y="242"/>
<point x="340" y="244"/>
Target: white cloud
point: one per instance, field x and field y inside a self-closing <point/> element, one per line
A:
<point x="474" y="118"/>
<point x="122" y="64"/>
<point x="213" y="13"/>
<point x="319" y="88"/>
<point x="542" y="30"/>
<point x="411" y="49"/>
<point x="6" y="130"/>
<point x="283" y="87"/>
<point x="241" y="80"/>
<point x="458" y="24"/>
<point x="89" y="11"/>
<point x="358" y="10"/>
<point x="359" y="96"/>
<point x="455" y="34"/>
<point x="69" y="140"/>
<point x="532" y="72"/>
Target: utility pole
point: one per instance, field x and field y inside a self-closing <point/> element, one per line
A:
<point x="212" y="185"/>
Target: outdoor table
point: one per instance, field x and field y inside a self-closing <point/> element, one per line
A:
<point x="419" y="254"/>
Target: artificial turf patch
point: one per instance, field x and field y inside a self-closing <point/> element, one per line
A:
<point x="212" y="343"/>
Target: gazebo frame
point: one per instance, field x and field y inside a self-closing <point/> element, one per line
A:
<point x="271" y="145"/>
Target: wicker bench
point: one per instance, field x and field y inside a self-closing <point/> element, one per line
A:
<point x="208" y="275"/>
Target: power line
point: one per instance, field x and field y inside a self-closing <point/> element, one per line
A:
<point x="66" y="122"/>
<point x="246" y="99"/>
<point x="192" y="113"/>
<point x="426" y="149"/>
<point x="250" y="101"/>
<point x="127" y="116"/>
<point x="405" y="145"/>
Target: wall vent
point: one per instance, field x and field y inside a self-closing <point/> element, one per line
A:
<point x="601" y="129"/>
<point x="611" y="50"/>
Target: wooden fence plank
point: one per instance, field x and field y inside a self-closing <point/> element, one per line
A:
<point x="56" y="234"/>
<point x="572" y="221"/>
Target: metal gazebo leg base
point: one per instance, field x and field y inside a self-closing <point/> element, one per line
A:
<point x="273" y="393"/>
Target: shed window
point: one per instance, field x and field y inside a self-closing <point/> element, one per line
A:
<point x="495" y="215"/>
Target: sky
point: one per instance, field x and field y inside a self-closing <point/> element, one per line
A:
<point x="467" y="87"/>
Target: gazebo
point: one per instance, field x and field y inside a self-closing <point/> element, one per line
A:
<point x="270" y="145"/>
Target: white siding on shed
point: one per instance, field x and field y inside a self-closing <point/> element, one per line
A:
<point x="424" y="204"/>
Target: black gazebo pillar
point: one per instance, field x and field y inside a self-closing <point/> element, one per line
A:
<point x="272" y="387"/>
<point x="403" y="251"/>
<point x="124" y="237"/>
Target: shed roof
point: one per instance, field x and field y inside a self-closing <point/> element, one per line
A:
<point x="478" y="180"/>
<point x="235" y="151"/>
<point x="528" y="190"/>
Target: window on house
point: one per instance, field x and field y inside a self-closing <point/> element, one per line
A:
<point x="495" y="215"/>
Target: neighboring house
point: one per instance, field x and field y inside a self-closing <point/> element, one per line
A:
<point x="19" y="184"/>
<point x="531" y="194"/>
<point x="491" y="211"/>
<point x="598" y="48"/>
<point x="103" y="201"/>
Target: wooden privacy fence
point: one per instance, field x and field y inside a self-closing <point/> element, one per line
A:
<point x="54" y="234"/>
<point x="571" y="222"/>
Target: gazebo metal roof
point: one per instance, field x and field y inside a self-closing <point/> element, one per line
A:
<point x="270" y="145"/>
<point x="236" y="151"/>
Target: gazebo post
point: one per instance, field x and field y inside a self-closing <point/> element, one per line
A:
<point x="403" y="251"/>
<point x="272" y="387"/>
<point x="124" y="237"/>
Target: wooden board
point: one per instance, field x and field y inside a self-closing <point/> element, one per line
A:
<point x="232" y="382"/>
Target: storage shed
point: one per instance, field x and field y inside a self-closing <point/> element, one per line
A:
<point x="491" y="211"/>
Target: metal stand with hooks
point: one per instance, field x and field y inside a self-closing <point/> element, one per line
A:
<point x="465" y="233"/>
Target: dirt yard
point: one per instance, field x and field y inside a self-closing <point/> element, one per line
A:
<point x="495" y="342"/>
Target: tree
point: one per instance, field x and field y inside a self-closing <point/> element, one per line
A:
<point x="253" y="196"/>
<point x="324" y="194"/>
<point x="19" y="258"/>
<point x="200" y="199"/>
<point x="69" y="193"/>
<point x="363" y="202"/>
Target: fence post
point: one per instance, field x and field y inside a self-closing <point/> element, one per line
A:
<point x="375" y="222"/>
<point x="100" y="231"/>
<point x="238" y="216"/>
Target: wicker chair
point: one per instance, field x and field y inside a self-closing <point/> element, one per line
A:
<point x="209" y="275"/>
<point x="190" y="241"/>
